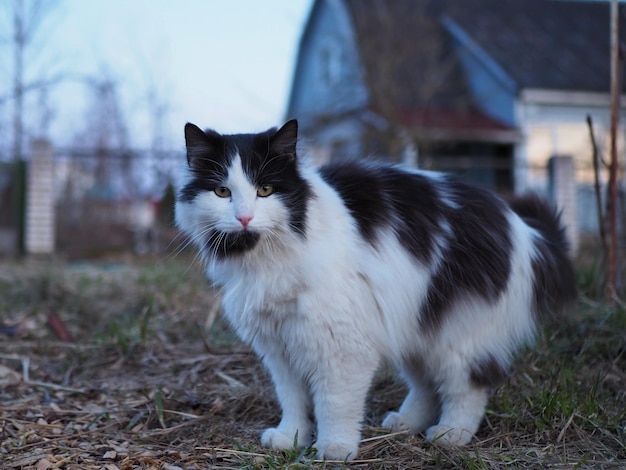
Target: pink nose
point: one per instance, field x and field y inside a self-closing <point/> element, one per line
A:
<point x="244" y="219"/>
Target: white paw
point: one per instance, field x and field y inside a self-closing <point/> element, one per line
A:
<point x="395" y="422"/>
<point x="336" y="450"/>
<point x="276" y="439"/>
<point x="449" y="436"/>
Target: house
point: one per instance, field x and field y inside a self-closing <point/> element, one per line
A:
<point x="488" y="88"/>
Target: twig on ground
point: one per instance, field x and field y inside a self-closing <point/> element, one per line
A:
<point x="25" y="361"/>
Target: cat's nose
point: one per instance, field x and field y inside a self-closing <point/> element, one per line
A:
<point x="244" y="219"/>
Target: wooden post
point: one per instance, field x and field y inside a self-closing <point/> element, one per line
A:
<point x="613" y="165"/>
<point x="563" y="192"/>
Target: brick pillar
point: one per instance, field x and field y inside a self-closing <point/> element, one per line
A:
<point x="563" y="193"/>
<point x="40" y="216"/>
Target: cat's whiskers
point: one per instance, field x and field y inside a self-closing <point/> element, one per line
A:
<point x="213" y="243"/>
<point x="217" y="241"/>
<point x="183" y="241"/>
<point x="268" y="244"/>
<point x="179" y="242"/>
<point x="266" y="163"/>
<point x="274" y="240"/>
<point x="199" y="237"/>
<point x="217" y="163"/>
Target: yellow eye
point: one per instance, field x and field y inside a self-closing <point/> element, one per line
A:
<point x="264" y="190"/>
<point x="222" y="191"/>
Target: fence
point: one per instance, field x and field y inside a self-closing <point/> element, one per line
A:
<point x="81" y="203"/>
<point x="114" y="201"/>
<point x="586" y="214"/>
<point x="98" y="202"/>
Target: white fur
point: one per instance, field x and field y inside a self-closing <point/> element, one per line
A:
<point x="323" y="312"/>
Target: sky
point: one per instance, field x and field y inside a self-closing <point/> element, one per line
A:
<point x="221" y="64"/>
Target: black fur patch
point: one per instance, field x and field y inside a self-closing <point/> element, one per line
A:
<point x="380" y="196"/>
<point x="209" y="155"/>
<point x="418" y="211"/>
<point x="362" y="192"/>
<point x="488" y="373"/>
<point x="477" y="260"/>
<point x="224" y="245"/>
<point x="554" y="277"/>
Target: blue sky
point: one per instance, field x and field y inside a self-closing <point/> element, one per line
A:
<point x="225" y="64"/>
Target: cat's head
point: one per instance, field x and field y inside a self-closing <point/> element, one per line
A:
<point x="241" y="190"/>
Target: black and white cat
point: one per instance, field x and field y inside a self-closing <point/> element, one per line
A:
<point x="328" y="273"/>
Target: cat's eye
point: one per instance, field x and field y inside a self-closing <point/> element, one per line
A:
<point x="264" y="190"/>
<point x="222" y="191"/>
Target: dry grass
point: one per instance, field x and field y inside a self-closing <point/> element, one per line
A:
<point x="146" y="385"/>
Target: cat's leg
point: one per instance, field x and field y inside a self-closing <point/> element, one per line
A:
<point x="462" y="409"/>
<point x="295" y="425"/>
<point x="339" y="400"/>
<point x="420" y="408"/>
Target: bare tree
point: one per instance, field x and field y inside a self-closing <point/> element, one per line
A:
<point x="26" y="21"/>
<point x="105" y="137"/>
<point x="158" y="107"/>
<point x="409" y="69"/>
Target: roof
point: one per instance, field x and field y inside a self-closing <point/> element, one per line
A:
<point x="456" y="67"/>
<point x="547" y="44"/>
<point x="407" y="54"/>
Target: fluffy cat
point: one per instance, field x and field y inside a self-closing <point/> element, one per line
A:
<point x="328" y="273"/>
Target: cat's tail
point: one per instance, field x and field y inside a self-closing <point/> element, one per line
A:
<point x="554" y="285"/>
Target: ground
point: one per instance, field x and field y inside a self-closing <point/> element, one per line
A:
<point x="127" y="364"/>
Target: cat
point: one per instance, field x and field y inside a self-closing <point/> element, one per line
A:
<point x="330" y="272"/>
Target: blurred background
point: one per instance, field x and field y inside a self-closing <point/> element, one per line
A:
<point x="112" y="346"/>
<point x="512" y="95"/>
<point x="93" y="100"/>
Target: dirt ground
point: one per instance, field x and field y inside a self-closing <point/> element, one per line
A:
<point x="126" y="364"/>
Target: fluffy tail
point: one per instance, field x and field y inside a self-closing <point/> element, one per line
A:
<point x="554" y="277"/>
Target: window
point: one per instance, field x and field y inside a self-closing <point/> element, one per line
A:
<point x="330" y="65"/>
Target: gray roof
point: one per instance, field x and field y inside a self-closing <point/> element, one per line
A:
<point x="549" y="44"/>
<point x="554" y="44"/>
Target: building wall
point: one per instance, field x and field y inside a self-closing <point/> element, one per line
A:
<point x="40" y="208"/>
<point x="556" y="124"/>
<point x="328" y="75"/>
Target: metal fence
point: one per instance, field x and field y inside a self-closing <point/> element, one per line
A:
<point x="114" y="201"/>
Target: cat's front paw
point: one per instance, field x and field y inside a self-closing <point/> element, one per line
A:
<point x="449" y="436"/>
<point x="394" y="421"/>
<point x="336" y="450"/>
<point x="276" y="439"/>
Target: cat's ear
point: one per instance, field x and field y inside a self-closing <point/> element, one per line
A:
<point x="285" y="140"/>
<point x="201" y="146"/>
